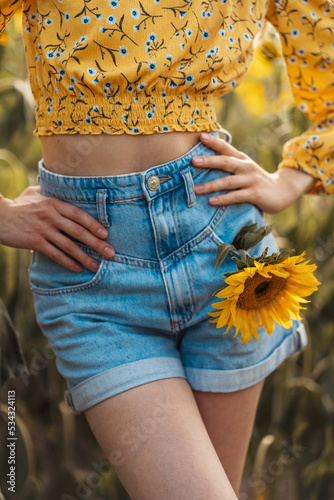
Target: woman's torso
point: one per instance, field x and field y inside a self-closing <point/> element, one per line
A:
<point x="122" y="86"/>
<point x="96" y="155"/>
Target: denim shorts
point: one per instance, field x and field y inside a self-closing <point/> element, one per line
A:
<point x="143" y="315"/>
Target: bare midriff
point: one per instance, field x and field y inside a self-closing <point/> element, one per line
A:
<point x="98" y="155"/>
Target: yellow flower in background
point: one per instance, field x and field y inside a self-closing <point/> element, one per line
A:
<point x="252" y="90"/>
<point x="17" y="23"/>
<point x="266" y="82"/>
<point x="3" y="38"/>
<point x="263" y="294"/>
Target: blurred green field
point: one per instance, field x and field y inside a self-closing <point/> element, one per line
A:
<point x="291" y="456"/>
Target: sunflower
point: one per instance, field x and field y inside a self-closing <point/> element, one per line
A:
<point x="264" y="293"/>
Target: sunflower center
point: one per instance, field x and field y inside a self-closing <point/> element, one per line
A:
<point x="261" y="288"/>
<point x="260" y="291"/>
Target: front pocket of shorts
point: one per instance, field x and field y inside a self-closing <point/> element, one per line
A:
<point x="49" y="278"/>
<point x="235" y="216"/>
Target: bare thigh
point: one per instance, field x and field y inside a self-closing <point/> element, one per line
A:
<point x="155" y="439"/>
<point x="229" y="420"/>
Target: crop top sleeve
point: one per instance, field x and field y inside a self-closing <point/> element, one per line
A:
<point x="306" y="29"/>
<point x="7" y="10"/>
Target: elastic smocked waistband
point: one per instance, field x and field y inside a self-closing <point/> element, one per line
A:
<point x="146" y="184"/>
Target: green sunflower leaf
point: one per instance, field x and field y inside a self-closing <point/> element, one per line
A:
<point x="284" y="253"/>
<point x="240" y="263"/>
<point x="243" y="231"/>
<point x="263" y="257"/>
<point x="248" y="236"/>
<point x="222" y="252"/>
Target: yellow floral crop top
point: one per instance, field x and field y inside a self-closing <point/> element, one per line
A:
<point x="145" y="66"/>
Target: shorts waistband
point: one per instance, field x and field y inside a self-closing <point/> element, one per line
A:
<point x="146" y="184"/>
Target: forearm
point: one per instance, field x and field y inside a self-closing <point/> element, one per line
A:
<point x="250" y="183"/>
<point x="296" y="181"/>
<point x="4" y="202"/>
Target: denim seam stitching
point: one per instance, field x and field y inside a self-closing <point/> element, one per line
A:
<point x="78" y="288"/>
<point x="195" y="241"/>
<point x="121" y="200"/>
<point x="53" y="194"/>
<point x="218" y="241"/>
<point x="169" y="297"/>
<point x="170" y="303"/>
<point x="174" y="186"/>
<point x="181" y="242"/>
<point x="164" y="179"/>
<point x="99" y="208"/>
<point x="98" y="375"/>
<point x="91" y="202"/>
<point x="123" y="259"/>
<point x="192" y="309"/>
<point x="253" y="367"/>
<point x="191" y="312"/>
<point x="102" y="209"/>
<point x="204" y="234"/>
<point x="189" y="185"/>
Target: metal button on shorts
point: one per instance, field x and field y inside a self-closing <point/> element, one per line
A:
<point x="153" y="183"/>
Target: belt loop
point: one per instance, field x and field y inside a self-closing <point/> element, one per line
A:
<point x="189" y="183"/>
<point x="228" y="136"/>
<point x="101" y="203"/>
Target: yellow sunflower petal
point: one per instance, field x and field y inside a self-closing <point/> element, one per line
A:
<point x="224" y="318"/>
<point x="248" y="327"/>
<point x="280" y="272"/>
<point x="214" y="314"/>
<point x="260" y="295"/>
<point x="230" y="291"/>
<point x="229" y="326"/>
<point x="265" y="319"/>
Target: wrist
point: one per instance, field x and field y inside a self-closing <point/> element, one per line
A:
<point x="298" y="181"/>
<point x="4" y="202"/>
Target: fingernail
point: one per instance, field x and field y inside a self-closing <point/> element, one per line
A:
<point x="213" y="200"/>
<point x="109" y="252"/>
<point x="205" y="136"/>
<point x="94" y="266"/>
<point x="199" y="189"/>
<point x="77" y="267"/>
<point x="102" y="232"/>
<point x="198" y="159"/>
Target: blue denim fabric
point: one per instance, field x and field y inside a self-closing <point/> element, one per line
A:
<point x="143" y="315"/>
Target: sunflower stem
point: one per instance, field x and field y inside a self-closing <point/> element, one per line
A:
<point x="243" y="255"/>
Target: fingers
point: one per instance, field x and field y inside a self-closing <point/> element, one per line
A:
<point x="60" y="257"/>
<point x="221" y="184"/>
<point x="85" y="236"/>
<point x="64" y="249"/>
<point x="227" y="163"/>
<point x="221" y="146"/>
<point x="58" y="217"/>
<point x="238" y="196"/>
<point x="46" y="224"/>
<point x="246" y="173"/>
<point x="81" y="217"/>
